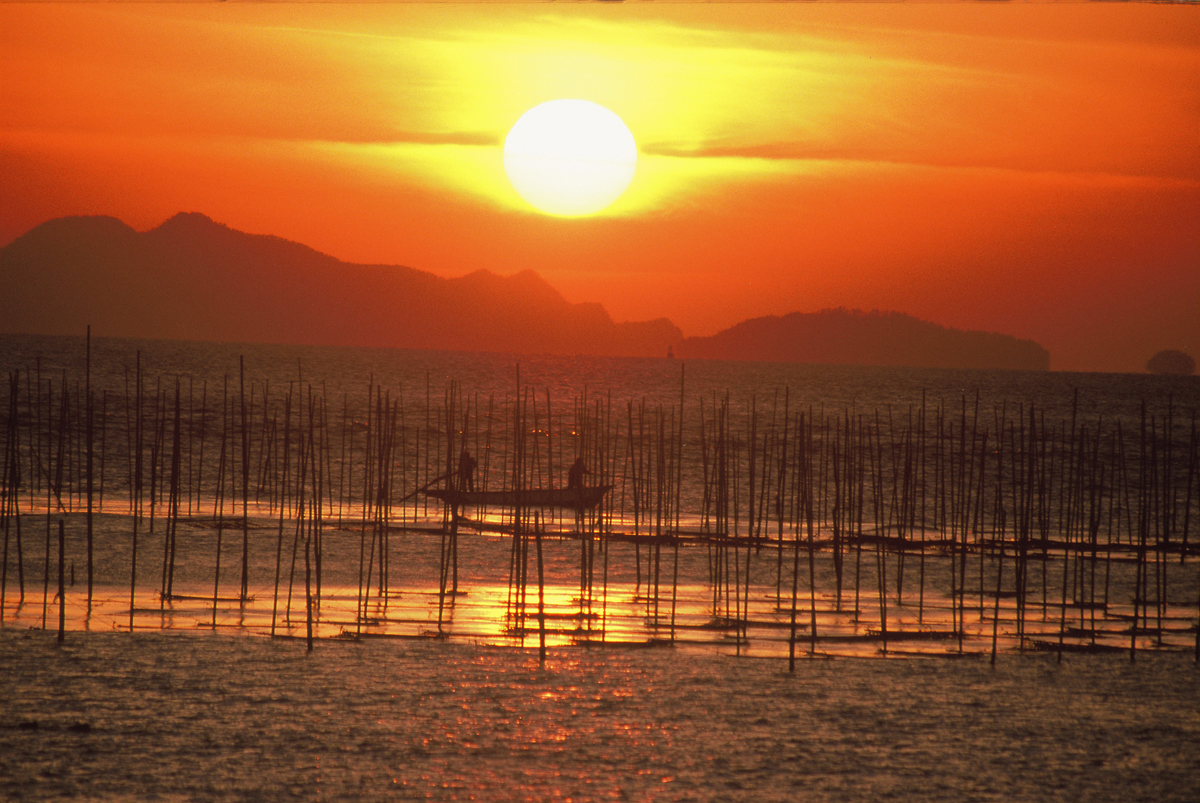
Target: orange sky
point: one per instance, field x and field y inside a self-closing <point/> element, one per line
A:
<point x="1033" y="170"/>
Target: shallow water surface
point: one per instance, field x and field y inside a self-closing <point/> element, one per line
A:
<point x="197" y="703"/>
<point x="174" y="716"/>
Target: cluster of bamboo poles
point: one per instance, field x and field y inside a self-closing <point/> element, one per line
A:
<point x="998" y="495"/>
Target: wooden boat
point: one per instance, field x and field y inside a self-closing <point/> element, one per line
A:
<point x="572" y="498"/>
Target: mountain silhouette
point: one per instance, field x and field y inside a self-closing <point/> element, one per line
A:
<point x="194" y="279"/>
<point x="864" y="338"/>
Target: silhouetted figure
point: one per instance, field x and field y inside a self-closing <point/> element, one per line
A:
<point x="466" y="471"/>
<point x="575" y="474"/>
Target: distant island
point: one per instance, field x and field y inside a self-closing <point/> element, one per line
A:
<point x="1171" y="362"/>
<point x="194" y="279"/>
<point x="865" y="338"/>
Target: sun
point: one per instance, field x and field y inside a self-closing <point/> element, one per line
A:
<point x="570" y="157"/>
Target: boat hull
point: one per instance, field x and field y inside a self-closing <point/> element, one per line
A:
<point x="572" y="498"/>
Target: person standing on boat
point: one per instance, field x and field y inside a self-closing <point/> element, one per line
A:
<point x="466" y="471"/>
<point x="575" y="474"/>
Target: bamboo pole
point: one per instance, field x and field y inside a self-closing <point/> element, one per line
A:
<point x="135" y="485"/>
<point x="90" y="457"/>
<point x="219" y="496"/>
<point x="283" y="481"/>
<point x="62" y="594"/>
<point x="244" y="593"/>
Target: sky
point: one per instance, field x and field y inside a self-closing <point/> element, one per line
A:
<point x="1032" y="170"/>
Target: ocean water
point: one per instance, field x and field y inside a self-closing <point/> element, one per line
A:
<point x="218" y="717"/>
<point x="339" y="370"/>
<point x="662" y="680"/>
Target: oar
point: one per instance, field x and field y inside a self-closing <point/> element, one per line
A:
<point x="433" y="481"/>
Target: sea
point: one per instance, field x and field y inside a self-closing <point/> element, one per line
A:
<point x="628" y="672"/>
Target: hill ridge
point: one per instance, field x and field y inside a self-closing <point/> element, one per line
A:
<point x="192" y="278"/>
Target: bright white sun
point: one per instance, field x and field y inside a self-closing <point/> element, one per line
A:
<point x="570" y="157"/>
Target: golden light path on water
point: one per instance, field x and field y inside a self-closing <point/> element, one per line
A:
<point x="640" y="593"/>
<point x="222" y="717"/>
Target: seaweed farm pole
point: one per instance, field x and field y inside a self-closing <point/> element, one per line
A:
<point x="155" y="448"/>
<point x="880" y="546"/>
<point x="632" y="460"/>
<point x="984" y="490"/>
<point x="952" y="514"/>
<point x="1029" y="463"/>
<point x="199" y="457"/>
<point x="6" y="483"/>
<point x="1076" y="455"/>
<point x="173" y="498"/>
<point x="795" y="572"/>
<point x="1096" y="497"/>
<point x="191" y="428"/>
<point x="859" y="488"/>
<point x="375" y="466"/>
<point x="1166" y="520"/>
<point x="808" y="516"/>
<point x="245" y="481"/>
<point x="1170" y="502"/>
<point x="797" y="531"/>
<point x="77" y="474"/>
<point x="513" y="600"/>
<point x="303" y="456"/>
<point x="1120" y="488"/>
<point x="308" y="600"/>
<point x="840" y="497"/>
<point x="365" y="571"/>
<point x="969" y="523"/>
<point x="283" y="483"/>
<point x="368" y="438"/>
<point x="903" y="498"/>
<point x="660" y="501"/>
<point x="342" y="499"/>
<point x="780" y="486"/>
<point x="89" y="410"/>
<point x="162" y="588"/>
<point x="219" y="498"/>
<point x="103" y="442"/>
<point x="49" y="490"/>
<point x="770" y="443"/>
<point x="678" y="501"/>
<point x="996" y="607"/>
<point x="1193" y="456"/>
<point x="387" y="424"/>
<point x="137" y="485"/>
<point x="62" y="595"/>
<point x="316" y="526"/>
<point x="454" y="481"/>
<point x="537" y="534"/>
<point x="920" y="489"/>
<point x="519" y="565"/>
<point x="11" y="485"/>
<point x="752" y="444"/>
<point x="1143" y="524"/>
<point x="978" y="527"/>
<point x="844" y="434"/>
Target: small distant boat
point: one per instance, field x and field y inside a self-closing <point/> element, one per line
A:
<point x="572" y="498"/>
